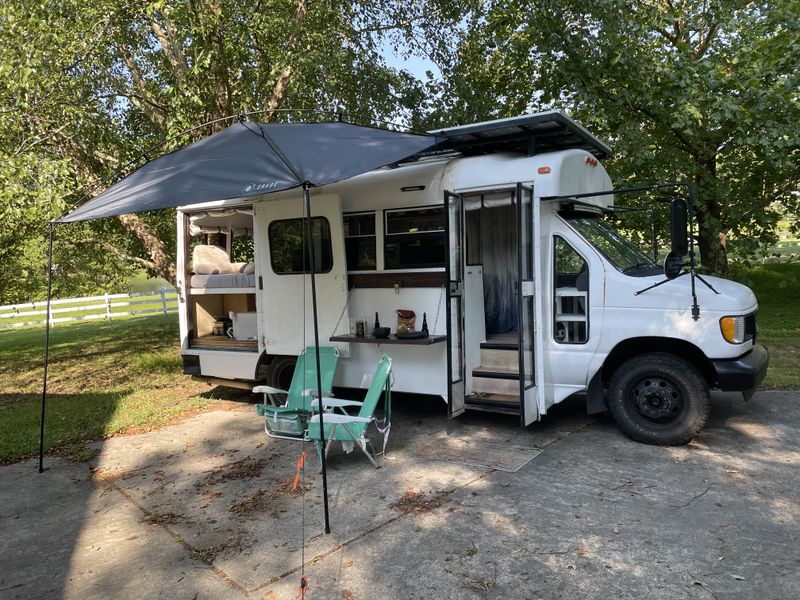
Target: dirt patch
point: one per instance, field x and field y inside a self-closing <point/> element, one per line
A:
<point x="263" y="500"/>
<point x="413" y="501"/>
<point x="247" y="468"/>
<point x="207" y="554"/>
<point x="100" y="475"/>
<point x="159" y="518"/>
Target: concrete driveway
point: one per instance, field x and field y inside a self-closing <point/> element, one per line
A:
<point x="205" y="509"/>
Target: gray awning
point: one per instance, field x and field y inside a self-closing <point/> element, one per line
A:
<point x="251" y="159"/>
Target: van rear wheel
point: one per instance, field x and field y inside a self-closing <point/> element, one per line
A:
<point x="658" y="398"/>
<point x="279" y="372"/>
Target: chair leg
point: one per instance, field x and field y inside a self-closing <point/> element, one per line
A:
<point x="366" y="448"/>
<point x="327" y="447"/>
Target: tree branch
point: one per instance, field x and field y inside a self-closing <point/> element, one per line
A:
<point x="284" y="77"/>
<point x="172" y="49"/>
<point x="162" y="263"/>
<point x="143" y="100"/>
<point x="109" y="247"/>
<point x="705" y="41"/>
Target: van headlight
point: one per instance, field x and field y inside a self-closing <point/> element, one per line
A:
<point x="732" y="329"/>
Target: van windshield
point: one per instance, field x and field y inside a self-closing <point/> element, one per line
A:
<point x="624" y="255"/>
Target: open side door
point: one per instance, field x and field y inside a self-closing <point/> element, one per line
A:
<point x="529" y="305"/>
<point x="456" y="380"/>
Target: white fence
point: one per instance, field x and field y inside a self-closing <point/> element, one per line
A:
<point x="91" y="307"/>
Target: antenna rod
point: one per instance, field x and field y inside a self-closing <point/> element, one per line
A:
<point x="695" y="305"/>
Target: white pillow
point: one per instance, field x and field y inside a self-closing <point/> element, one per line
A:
<point x="208" y="258"/>
<point x="205" y="269"/>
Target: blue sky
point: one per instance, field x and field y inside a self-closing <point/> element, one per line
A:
<point x="414" y="64"/>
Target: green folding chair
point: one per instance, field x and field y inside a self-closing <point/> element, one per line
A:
<point x="287" y="420"/>
<point x="351" y="430"/>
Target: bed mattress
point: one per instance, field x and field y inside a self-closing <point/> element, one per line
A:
<point x="224" y="280"/>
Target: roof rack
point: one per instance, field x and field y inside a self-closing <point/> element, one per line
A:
<point x="527" y="134"/>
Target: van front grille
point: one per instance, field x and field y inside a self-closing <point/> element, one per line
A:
<point x="750" y="327"/>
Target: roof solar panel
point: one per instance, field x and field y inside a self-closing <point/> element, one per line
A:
<point x="526" y="134"/>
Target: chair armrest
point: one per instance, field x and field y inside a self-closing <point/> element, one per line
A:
<point x="335" y="418"/>
<point x="328" y="402"/>
<point x="314" y="393"/>
<point x="268" y="389"/>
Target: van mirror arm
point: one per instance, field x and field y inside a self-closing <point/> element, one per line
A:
<point x="708" y="285"/>
<point x="659" y="283"/>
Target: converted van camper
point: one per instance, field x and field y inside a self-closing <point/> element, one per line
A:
<point x="529" y="296"/>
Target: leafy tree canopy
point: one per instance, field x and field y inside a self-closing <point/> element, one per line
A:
<point x="682" y="89"/>
<point x="87" y="85"/>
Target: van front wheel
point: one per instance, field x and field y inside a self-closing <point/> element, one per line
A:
<point x="658" y="398"/>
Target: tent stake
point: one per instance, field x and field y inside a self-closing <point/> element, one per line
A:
<point x="46" y="342"/>
<point x="307" y="197"/>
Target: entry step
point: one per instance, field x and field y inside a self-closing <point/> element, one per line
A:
<point x="495" y="373"/>
<point x="501" y="344"/>
<point x="493" y="359"/>
<point x="488" y="402"/>
<point x="508" y="384"/>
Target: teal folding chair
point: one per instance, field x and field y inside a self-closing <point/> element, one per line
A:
<point x="351" y="430"/>
<point x="288" y="420"/>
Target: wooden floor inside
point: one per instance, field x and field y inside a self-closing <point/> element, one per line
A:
<point x="223" y="342"/>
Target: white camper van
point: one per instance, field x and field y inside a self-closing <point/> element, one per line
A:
<point x="500" y="245"/>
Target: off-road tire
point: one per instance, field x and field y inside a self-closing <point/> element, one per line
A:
<point x="658" y="398"/>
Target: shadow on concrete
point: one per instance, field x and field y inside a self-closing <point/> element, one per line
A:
<point x="206" y="509"/>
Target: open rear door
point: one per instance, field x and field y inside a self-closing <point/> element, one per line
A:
<point x="284" y="283"/>
<point x="454" y="208"/>
<point x="529" y="306"/>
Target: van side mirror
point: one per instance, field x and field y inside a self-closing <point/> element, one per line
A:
<point x="678" y="227"/>
<point x="673" y="265"/>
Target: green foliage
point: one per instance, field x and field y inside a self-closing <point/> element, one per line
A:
<point x="86" y="86"/>
<point x="777" y="287"/>
<point x="697" y="91"/>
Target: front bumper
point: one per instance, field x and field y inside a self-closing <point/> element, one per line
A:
<point x="744" y="373"/>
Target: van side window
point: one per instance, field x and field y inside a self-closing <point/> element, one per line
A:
<point x="359" y="241"/>
<point x="414" y="238"/>
<point x="288" y="248"/>
<point x="570" y="294"/>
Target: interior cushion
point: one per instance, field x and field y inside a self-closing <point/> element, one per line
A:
<point x="207" y="259"/>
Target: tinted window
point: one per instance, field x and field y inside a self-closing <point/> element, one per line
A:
<point x="414" y="239"/>
<point x="289" y="249"/>
<point x="359" y="241"/>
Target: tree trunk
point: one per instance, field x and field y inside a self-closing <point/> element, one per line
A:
<point x="163" y="264"/>
<point x="708" y="213"/>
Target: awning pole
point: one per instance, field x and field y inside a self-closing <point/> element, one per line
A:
<point x="309" y="229"/>
<point x="46" y="341"/>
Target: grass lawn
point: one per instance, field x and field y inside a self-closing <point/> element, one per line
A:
<point x="777" y="287"/>
<point x="126" y="376"/>
<point x="104" y="378"/>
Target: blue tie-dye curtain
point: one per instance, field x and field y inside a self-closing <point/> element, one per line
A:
<point x="498" y="243"/>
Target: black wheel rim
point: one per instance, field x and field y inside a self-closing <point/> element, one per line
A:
<point x="657" y="401"/>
